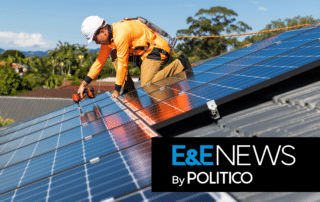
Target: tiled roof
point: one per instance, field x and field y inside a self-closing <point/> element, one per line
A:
<point x="63" y="91"/>
<point x="19" y="108"/>
<point x="50" y="93"/>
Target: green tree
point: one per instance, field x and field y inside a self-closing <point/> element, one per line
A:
<point x="34" y="80"/>
<point x="277" y="24"/>
<point x="10" y="81"/>
<point x="53" y="81"/>
<point x="210" y="22"/>
<point x="12" y="53"/>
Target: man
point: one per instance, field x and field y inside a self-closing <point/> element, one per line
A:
<point x="125" y="40"/>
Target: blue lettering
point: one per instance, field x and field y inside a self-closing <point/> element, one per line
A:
<point x="175" y="155"/>
<point x="191" y="160"/>
<point x="203" y="154"/>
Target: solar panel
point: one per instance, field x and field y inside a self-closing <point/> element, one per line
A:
<point x="71" y="125"/>
<point x="111" y="176"/>
<point x="33" y="159"/>
<point x="226" y="81"/>
<point x="55" y="117"/>
<point x="105" y="153"/>
<point x="217" y="61"/>
<point x="147" y="195"/>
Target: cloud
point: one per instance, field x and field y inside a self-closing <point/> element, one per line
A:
<point x="255" y="2"/>
<point x="263" y="9"/>
<point x="24" y="40"/>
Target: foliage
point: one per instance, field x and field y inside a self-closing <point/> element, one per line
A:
<point x="134" y="71"/>
<point x="6" y="121"/>
<point x="277" y="24"/>
<point x="75" y="81"/>
<point x="10" y="81"/>
<point x="210" y="22"/>
<point x="53" y="81"/>
<point x="34" y="80"/>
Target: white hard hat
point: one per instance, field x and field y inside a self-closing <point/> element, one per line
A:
<point x="90" y="25"/>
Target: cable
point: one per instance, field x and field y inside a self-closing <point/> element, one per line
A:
<point x="274" y="30"/>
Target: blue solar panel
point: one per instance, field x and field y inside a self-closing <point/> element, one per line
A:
<point x="66" y="128"/>
<point x="221" y="60"/>
<point x="56" y="117"/>
<point x="46" y="153"/>
<point x="245" y="51"/>
<point x="68" y="137"/>
<point x="165" y="196"/>
<point x="227" y="79"/>
<point x="112" y="176"/>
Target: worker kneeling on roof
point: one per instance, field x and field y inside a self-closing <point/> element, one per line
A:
<point x="129" y="40"/>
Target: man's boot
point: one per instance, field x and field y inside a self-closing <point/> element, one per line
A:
<point x="186" y="64"/>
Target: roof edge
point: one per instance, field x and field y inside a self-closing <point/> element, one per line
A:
<point x="34" y="98"/>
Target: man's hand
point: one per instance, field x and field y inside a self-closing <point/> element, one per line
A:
<point x="81" y="89"/>
<point x="115" y="94"/>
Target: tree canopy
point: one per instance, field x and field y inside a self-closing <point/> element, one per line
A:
<point x="12" y="53"/>
<point x="10" y="81"/>
<point x="210" y="22"/>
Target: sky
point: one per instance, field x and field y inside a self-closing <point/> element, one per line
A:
<point x="40" y="25"/>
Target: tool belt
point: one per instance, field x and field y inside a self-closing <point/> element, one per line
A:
<point x="154" y="55"/>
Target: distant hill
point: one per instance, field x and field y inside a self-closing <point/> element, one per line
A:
<point x="1" y="50"/>
<point x="94" y="50"/>
<point x="35" y="53"/>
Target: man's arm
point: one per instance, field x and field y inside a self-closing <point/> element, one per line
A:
<point x="122" y="43"/>
<point x="95" y="68"/>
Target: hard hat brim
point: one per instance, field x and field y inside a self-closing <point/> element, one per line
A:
<point x="90" y="40"/>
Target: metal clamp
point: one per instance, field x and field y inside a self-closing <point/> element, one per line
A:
<point x="212" y="106"/>
<point x="108" y="200"/>
<point x="95" y="160"/>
